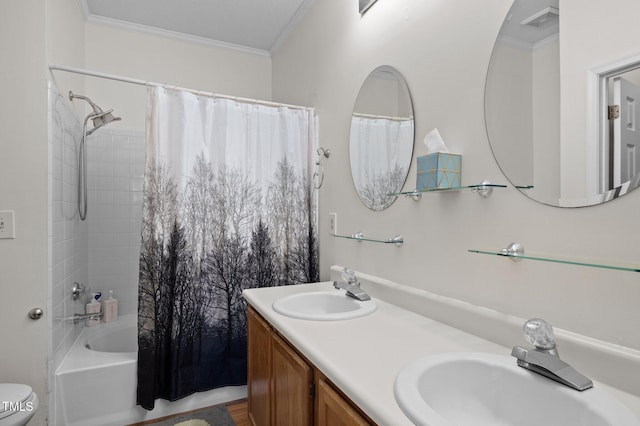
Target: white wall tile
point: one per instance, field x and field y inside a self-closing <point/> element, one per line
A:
<point x="116" y="200"/>
<point x="68" y="235"/>
<point x="102" y="252"/>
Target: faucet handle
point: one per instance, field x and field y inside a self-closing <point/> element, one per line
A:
<point x="539" y="333"/>
<point x="349" y="276"/>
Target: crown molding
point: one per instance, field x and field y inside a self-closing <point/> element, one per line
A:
<point x="291" y="25"/>
<point x="145" y="29"/>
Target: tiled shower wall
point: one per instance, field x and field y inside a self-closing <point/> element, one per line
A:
<point x="115" y="168"/>
<point x="102" y="252"/>
<point x="68" y="236"/>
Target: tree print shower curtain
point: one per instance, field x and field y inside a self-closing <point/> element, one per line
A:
<point x="381" y="147"/>
<point x="228" y="205"/>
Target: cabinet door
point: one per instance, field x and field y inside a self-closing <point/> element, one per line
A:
<point x="333" y="410"/>
<point x="258" y="369"/>
<point x="292" y="380"/>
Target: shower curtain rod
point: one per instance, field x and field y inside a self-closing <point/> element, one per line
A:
<point x="386" y="117"/>
<point x="168" y="86"/>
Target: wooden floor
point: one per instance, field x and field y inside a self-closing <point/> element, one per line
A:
<point x="238" y="412"/>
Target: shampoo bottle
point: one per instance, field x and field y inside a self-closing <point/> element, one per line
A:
<point x="110" y="308"/>
<point x="93" y="307"/>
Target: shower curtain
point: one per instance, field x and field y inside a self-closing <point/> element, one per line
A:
<point x="228" y="205"/>
<point x="381" y="147"/>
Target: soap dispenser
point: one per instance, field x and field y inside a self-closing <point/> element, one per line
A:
<point x="93" y="307"/>
<point x="110" y="308"/>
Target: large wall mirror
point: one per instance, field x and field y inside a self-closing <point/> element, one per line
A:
<point x="381" y="137"/>
<point x="552" y="77"/>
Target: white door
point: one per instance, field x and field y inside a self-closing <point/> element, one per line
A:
<point x="626" y="131"/>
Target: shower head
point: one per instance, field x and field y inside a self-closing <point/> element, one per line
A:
<point x="100" y="118"/>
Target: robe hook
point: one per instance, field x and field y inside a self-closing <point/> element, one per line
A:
<point x="318" y="176"/>
<point x="322" y="152"/>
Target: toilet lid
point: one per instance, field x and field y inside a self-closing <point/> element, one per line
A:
<point x="13" y="393"/>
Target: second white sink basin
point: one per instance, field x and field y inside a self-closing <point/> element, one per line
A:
<point x="476" y="389"/>
<point x="323" y="306"/>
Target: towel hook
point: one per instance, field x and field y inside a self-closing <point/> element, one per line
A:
<point x="318" y="176"/>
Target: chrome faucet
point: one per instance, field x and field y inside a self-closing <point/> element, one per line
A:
<point x="351" y="285"/>
<point x="544" y="359"/>
<point x="76" y="318"/>
<point x="81" y="317"/>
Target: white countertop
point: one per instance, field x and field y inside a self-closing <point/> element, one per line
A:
<point x="362" y="356"/>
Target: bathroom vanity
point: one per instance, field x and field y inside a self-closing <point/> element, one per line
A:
<point x="286" y="388"/>
<point x="315" y="372"/>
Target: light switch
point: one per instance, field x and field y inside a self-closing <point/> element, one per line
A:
<point x="7" y="225"/>
<point x="333" y="223"/>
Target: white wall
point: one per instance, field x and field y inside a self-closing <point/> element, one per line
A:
<point x="442" y="47"/>
<point x="164" y="60"/>
<point x="23" y="188"/>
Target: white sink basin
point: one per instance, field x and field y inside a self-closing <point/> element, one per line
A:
<point x="323" y="306"/>
<point x="484" y="389"/>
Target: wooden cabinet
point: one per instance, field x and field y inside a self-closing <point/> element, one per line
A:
<point x="291" y="386"/>
<point x="284" y="387"/>
<point x="258" y="369"/>
<point x="333" y="410"/>
<point x="280" y="382"/>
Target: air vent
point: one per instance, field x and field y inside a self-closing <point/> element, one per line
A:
<point x="545" y="16"/>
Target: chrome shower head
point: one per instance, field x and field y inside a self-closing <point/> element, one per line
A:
<point x="100" y="118"/>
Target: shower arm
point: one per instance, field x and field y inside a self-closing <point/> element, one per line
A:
<point x="96" y="109"/>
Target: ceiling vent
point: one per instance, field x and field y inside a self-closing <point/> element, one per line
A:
<point x="546" y="16"/>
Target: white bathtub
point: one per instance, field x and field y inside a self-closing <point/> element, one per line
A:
<point x="96" y="383"/>
<point x="116" y="337"/>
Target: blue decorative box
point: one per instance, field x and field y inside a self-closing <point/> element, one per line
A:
<point x="439" y="170"/>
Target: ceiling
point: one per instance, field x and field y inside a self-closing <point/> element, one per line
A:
<point x="256" y="25"/>
<point x="546" y="27"/>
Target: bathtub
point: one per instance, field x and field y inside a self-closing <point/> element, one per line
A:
<point x="96" y="383"/>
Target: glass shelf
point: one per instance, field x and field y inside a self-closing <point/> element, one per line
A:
<point x="397" y="240"/>
<point x="557" y="259"/>
<point x="458" y="188"/>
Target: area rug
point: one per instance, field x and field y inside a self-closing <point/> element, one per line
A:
<point x="212" y="416"/>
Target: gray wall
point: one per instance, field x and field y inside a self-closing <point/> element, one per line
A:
<point x="443" y="48"/>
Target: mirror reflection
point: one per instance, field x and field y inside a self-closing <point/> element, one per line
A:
<point x="547" y="100"/>
<point x="381" y="137"/>
<point x="623" y="135"/>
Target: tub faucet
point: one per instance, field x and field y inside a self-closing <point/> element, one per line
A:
<point x="76" y="318"/>
<point x="81" y="317"/>
<point x="351" y="285"/>
<point x="544" y="358"/>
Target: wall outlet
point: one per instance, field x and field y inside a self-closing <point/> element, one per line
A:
<point x="7" y="226"/>
<point x="333" y="223"/>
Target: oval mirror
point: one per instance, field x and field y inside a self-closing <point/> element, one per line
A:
<point x="381" y="138"/>
<point x="547" y="98"/>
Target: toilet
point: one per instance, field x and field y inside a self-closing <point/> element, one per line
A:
<point x="18" y="403"/>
